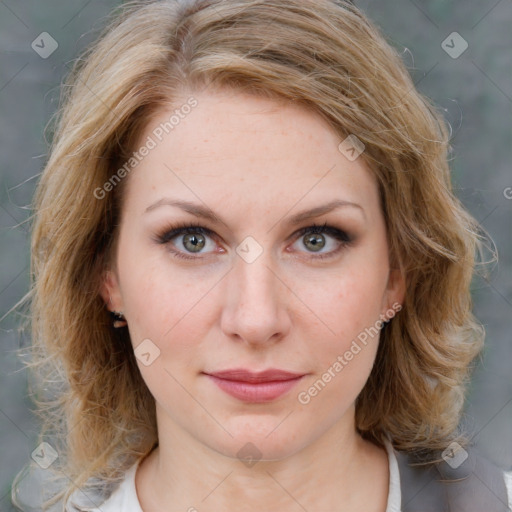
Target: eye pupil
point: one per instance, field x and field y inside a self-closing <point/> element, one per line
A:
<point x="197" y="242"/>
<point x="317" y="241"/>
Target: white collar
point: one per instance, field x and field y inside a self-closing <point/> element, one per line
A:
<point x="394" y="493"/>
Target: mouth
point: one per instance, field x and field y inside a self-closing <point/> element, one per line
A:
<point x="255" y="387"/>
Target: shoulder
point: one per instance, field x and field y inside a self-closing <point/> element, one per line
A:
<point x="461" y="480"/>
<point x="123" y="499"/>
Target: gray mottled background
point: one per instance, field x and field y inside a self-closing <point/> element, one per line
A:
<point x="474" y="89"/>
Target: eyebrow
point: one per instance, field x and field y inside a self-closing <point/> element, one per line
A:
<point x="204" y="212"/>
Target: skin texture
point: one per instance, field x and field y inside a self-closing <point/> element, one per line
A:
<point x="255" y="163"/>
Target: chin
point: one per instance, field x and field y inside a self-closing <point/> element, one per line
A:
<point x="262" y="441"/>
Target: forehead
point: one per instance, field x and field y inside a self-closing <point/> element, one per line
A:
<point x="238" y="148"/>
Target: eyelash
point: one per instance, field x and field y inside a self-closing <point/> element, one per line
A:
<point x="186" y="228"/>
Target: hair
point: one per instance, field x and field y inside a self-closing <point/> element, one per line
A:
<point x="323" y="55"/>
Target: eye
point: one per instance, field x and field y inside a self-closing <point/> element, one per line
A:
<point x="194" y="238"/>
<point x="314" y="239"/>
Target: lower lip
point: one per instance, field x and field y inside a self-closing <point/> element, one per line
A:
<point x="255" y="392"/>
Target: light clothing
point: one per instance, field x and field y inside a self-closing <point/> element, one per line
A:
<point x="124" y="498"/>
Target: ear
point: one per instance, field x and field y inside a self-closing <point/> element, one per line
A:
<point x="110" y="291"/>
<point x="395" y="290"/>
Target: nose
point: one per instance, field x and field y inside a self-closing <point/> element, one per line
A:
<point x="256" y="303"/>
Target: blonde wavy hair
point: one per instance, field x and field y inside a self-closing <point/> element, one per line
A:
<point x="324" y="55"/>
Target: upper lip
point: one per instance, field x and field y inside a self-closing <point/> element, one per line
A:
<point x="243" y="375"/>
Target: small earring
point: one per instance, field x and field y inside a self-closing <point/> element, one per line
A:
<point x="118" y="319"/>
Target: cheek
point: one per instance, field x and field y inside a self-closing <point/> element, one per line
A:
<point x="348" y="303"/>
<point x="142" y="295"/>
<point x="172" y="308"/>
<point x="343" y="343"/>
<point x="165" y="310"/>
<point x="153" y="292"/>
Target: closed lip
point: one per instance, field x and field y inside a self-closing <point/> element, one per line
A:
<point x="243" y="375"/>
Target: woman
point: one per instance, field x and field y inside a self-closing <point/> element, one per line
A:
<point x="251" y="276"/>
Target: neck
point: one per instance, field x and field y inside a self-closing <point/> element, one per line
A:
<point x="339" y="471"/>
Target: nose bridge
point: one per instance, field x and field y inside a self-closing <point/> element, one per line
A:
<point x="253" y="308"/>
<point x="255" y="280"/>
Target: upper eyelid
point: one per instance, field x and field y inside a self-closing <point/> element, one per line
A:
<point x="210" y="231"/>
<point x="181" y="228"/>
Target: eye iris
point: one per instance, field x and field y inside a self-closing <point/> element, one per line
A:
<point x="197" y="242"/>
<point x="317" y="241"/>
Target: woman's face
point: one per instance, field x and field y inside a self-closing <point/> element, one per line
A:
<point x="249" y="290"/>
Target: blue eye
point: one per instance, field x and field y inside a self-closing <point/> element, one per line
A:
<point x="195" y="238"/>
